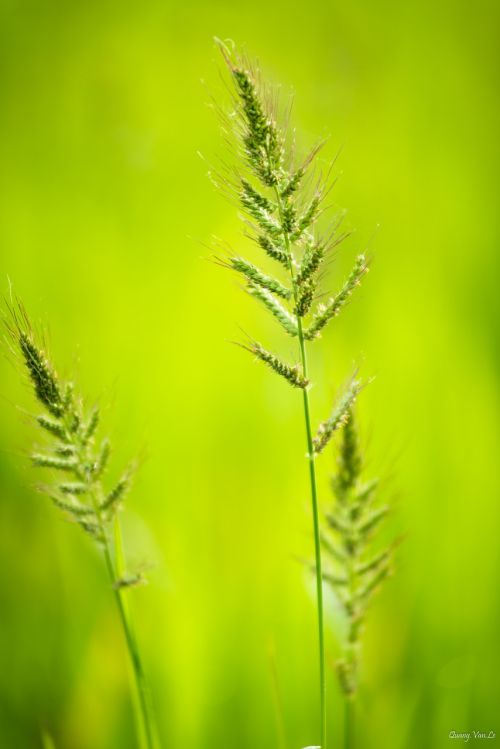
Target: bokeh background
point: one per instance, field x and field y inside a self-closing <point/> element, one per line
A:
<point x="105" y="211"/>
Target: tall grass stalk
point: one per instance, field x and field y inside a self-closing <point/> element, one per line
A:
<point x="282" y="199"/>
<point x="77" y="464"/>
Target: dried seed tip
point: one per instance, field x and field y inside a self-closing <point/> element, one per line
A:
<point x="254" y="275"/>
<point x="42" y="374"/>
<point x="73" y="488"/>
<point x="331" y="309"/>
<point x="288" y="321"/>
<point x="91" y="426"/>
<point x="53" y="427"/>
<point x="291" y="373"/>
<point x="47" y="461"/>
<point x="275" y="250"/>
<point x="338" y="417"/>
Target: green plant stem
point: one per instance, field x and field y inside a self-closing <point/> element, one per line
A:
<point x="317" y="541"/>
<point x="314" y="491"/>
<point x="349" y="724"/>
<point x="115" y="571"/>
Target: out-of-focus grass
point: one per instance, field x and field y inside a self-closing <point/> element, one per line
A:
<point x="104" y="204"/>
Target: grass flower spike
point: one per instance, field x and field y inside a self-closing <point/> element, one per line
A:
<point x="282" y="200"/>
<point x="356" y="571"/>
<point x="77" y="461"/>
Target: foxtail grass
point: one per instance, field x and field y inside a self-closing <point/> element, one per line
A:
<point x="76" y="460"/>
<point x="281" y="198"/>
<point x="356" y="570"/>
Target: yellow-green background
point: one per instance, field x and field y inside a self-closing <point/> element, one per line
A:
<point x="104" y="212"/>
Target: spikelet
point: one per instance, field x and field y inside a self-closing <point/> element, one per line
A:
<point x="291" y="372"/>
<point x="338" y="417"/>
<point x="276" y="250"/>
<point x="331" y="309"/>
<point x="256" y="277"/>
<point x="282" y="315"/>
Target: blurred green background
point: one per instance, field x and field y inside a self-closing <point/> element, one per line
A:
<point x="104" y="211"/>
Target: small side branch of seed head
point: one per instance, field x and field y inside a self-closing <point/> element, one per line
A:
<point x="331" y="309"/>
<point x="290" y="372"/>
<point x="338" y="418"/>
<point x="287" y="320"/>
<point x="257" y="277"/>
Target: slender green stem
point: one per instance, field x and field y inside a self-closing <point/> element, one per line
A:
<point x="349" y="724"/>
<point x="314" y="491"/>
<point x="317" y="542"/>
<point x="115" y="571"/>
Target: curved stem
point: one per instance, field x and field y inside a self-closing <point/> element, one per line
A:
<point x="314" y="491"/>
<point x="115" y="572"/>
